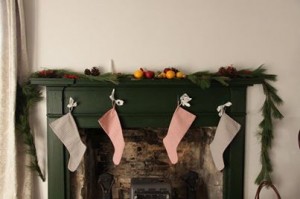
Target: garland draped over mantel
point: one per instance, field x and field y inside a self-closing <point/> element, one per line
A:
<point x="29" y="94"/>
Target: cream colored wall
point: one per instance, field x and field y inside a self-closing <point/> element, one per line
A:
<point x="192" y="35"/>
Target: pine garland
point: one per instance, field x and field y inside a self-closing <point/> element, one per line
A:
<point x="269" y="112"/>
<point x="27" y="96"/>
<point x="106" y="77"/>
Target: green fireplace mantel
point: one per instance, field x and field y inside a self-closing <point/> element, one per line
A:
<point x="148" y="103"/>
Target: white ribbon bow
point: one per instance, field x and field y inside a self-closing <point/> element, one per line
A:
<point x="184" y="100"/>
<point x="71" y="104"/>
<point x="119" y="102"/>
<point x="221" y="108"/>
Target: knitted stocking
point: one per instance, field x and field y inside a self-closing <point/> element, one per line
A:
<point x="111" y="125"/>
<point x="226" y="131"/>
<point x="66" y="130"/>
<point x="180" y="123"/>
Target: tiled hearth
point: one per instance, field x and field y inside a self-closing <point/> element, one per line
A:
<point x="145" y="156"/>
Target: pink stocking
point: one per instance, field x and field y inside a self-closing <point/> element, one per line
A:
<point x="111" y="125"/>
<point x="180" y="123"/>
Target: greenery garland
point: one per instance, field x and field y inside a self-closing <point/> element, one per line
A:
<point x="269" y="112"/>
<point x="27" y="96"/>
<point x="30" y="94"/>
<point x="109" y="77"/>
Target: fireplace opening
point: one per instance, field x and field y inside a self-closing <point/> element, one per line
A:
<point x="145" y="158"/>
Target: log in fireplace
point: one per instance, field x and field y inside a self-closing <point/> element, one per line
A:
<point x="149" y="103"/>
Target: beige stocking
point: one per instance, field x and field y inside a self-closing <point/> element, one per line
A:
<point x="66" y="130"/>
<point x="226" y="131"/>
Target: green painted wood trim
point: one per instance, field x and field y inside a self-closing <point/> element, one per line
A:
<point x="58" y="178"/>
<point x="143" y="82"/>
<point x="234" y="157"/>
<point x="56" y="168"/>
<point x="233" y="174"/>
<point x="52" y="81"/>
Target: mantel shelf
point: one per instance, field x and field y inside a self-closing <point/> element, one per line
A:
<point x="134" y="82"/>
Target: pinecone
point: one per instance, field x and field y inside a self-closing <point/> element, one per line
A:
<point x="95" y="71"/>
<point x="87" y="72"/>
<point x="231" y="71"/>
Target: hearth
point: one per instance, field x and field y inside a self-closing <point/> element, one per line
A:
<point x="142" y="111"/>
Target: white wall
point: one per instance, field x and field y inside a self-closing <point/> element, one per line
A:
<point x="192" y="35"/>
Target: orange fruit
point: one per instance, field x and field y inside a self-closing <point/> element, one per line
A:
<point x="170" y="74"/>
<point x="138" y="74"/>
<point x="180" y="74"/>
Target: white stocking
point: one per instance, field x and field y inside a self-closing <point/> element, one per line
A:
<point x="226" y="131"/>
<point x="66" y="130"/>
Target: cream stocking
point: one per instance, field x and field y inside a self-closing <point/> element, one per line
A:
<point x="226" y="131"/>
<point x="66" y="130"/>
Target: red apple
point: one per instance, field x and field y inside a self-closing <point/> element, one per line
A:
<point x="149" y="74"/>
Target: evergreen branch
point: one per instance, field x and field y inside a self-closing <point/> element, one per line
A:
<point x="276" y="113"/>
<point x="109" y="77"/>
<point x="106" y="77"/>
<point x="27" y="95"/>
<point x="221" y="79"/>
<point x="271" y="92"/>
<point x="269" y="112"/>
<point x="259" y="71"/>
<point x="203" y="79"/>
<point x="270" y="77"/>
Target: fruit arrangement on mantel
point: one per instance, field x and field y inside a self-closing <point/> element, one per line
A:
<point x="201" y="78"/>
<point x="168" y="73"/>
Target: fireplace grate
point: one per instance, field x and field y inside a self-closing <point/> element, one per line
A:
<point x="150" y="188"/>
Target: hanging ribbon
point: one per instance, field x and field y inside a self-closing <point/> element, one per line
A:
<point x="221" y="109"/>
<point x="119" y="102"/>
<point x="71" y="104"/>
<point x="184" y="100"/>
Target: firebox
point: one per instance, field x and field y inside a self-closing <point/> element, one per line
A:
<point x="149" y="104"/>
<point x="145" y="166"/>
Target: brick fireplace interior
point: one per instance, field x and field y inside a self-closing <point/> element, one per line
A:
<point x="145" y="117"/>
<point x="145" y="156"/>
